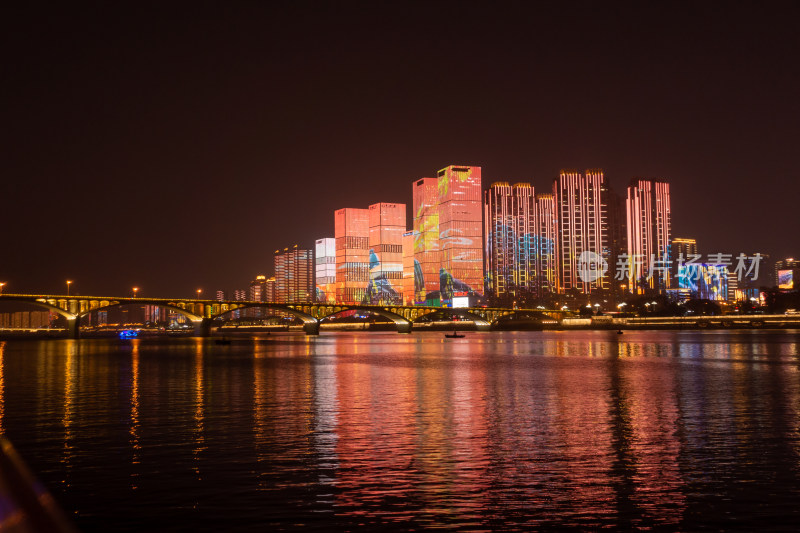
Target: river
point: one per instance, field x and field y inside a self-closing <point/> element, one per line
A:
<point x="674" y="430"/>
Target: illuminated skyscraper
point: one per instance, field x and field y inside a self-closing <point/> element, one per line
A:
<point x="325" y="269"/>
<point x="547" y="244"/>
<point x="649" y="227"/>
<point x="426" y="240"/>
<point x="257" y="290"/>
<point x="460" y="233"/>
<point x="681" y="250"/>
<point x="387" y="223"/>
<point x="787" y="273"/>
<point x="352" y="254"/>
<point x="294" y="275"/>
<point x="511" y="240"/>
<point x="583" y="246"/>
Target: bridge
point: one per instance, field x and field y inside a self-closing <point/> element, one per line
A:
<point x="201" y="313"/>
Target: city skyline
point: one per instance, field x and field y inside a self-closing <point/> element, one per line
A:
<point x="232" y="130"/>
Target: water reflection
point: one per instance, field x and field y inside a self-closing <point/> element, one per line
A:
<point x="527" y="430"/>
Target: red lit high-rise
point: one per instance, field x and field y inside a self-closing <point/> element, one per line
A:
<point x="649" y="227"/>
<point x="583" y="247"/>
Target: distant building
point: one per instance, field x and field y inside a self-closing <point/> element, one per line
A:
<point x="649" y="227"/>
<point x="325" y="269"/>
<point x="583" y="239"/>
<point x="682" y="250"/>
<point x="294" y="275"/>
<point x="220" y="296"/>
<point x="269" y="290"/>
<point x="240" y="295"/>
<point x="787" y="273"/>
<point x="257" y="292"/>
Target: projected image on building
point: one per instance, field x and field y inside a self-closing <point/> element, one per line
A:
<point x="705" y="282"/>
<point x="786" y="279"/>
<point x="460" y="232"/>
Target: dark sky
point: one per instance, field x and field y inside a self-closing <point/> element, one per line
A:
<point x="176" y="146"/>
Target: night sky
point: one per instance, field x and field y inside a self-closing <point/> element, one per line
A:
<point x="176" y="146"/>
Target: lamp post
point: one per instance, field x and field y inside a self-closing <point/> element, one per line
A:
<point x="68" y="284"/>
<point x="2" y="284"/>
<point x="198" y="293"/>
<point x="135" y="290"/>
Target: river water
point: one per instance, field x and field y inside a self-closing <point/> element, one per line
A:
<point x="369" y="431"/>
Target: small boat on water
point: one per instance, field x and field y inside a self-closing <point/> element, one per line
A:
<point x="454" y="335"/>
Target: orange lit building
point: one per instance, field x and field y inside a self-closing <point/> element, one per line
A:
<point x="460" y="234"/>
<point x="387" y="223"/>
<point x="352" y="254"/>
<point x="426" y="240"/>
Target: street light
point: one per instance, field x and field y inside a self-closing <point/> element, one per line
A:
<point x="2" y="284"/>
<point x="68" y="284"/>
<point x="135" y="290"/>
<point x="198" y="293"/>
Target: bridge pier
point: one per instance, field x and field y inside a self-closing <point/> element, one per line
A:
<point x="483" y="327"/>
<point x="404" y="327"/>
<point x="311" y="328"/>
<point x="73" y="328"/>
<point x="202" y="327"/>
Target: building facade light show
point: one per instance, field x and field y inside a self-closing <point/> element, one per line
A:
<point x="426" y="241"/>
<point x="704" y="281"/>
<point x="460" y="233"/>
<point x="294" y="275"/>
<point x="351" y="230"/>
<point x="325" y="269"/>
<point x="387" y="224"/>
<point x="511" y="239"/>
<point x="583" y="228"/>
<point x="649" y="228"/>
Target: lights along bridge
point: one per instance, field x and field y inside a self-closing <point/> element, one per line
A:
<point x="201" y="313"/>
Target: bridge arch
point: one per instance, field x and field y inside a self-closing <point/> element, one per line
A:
<point x="43" y="303"/>
<point x="481" y="323"/>
<point x="191" y="316"/>
<point x="402" y="323"/>
<point x="310" y="324"/>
